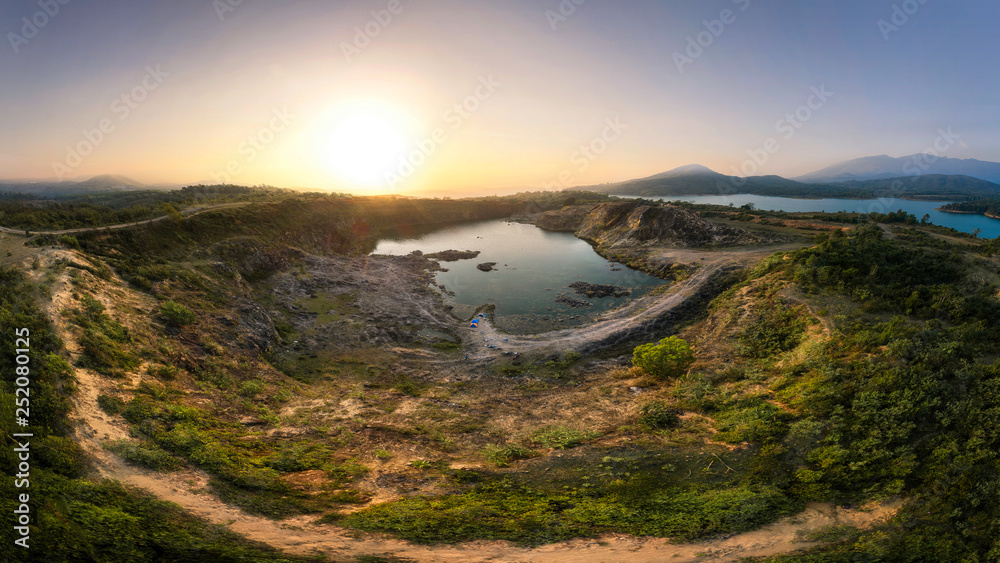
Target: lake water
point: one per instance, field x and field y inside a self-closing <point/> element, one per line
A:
<point x="533" y="268"/>
<point x="960" y="221"/>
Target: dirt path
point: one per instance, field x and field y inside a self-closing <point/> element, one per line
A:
<point x="189" y="212"/>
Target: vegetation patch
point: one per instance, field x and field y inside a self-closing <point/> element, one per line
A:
<point x="561" y="437"/>
<point x="144" y="454"/>
<point x="106" y="343"/>
<point x="503" y="511"/>
<point x="504" y="455"/>
<point x="772" y="329"/>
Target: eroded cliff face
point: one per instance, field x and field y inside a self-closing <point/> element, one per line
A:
<point x="568" y="219"/>
<point x="636" y="224"/>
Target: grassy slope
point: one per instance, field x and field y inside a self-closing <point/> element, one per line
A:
<point x="76" y="519"/>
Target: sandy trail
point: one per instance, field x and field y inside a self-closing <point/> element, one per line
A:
<point x="302" y="536"/>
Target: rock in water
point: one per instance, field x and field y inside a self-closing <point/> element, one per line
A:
<point x="453" y="255"/>
<point x="599" y="289"/>
<point x="486" y="266"/>
<point x="567" y="299"/>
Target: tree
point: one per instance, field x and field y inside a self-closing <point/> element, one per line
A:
<point x="670" y="357"/>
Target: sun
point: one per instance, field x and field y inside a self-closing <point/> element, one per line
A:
<point x="363" y="148"/>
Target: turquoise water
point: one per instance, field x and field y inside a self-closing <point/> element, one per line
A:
<point x="959" y="221"/>
<point x="533" y="268"/>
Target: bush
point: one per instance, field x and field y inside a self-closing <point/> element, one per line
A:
<point x="70" y="241"/>
<point x="561" y="437"/>
<point x="670" y="357"/>
<point x="502" y="456"/>
<point x="176" y="315"/>
<point x="778" y="329"/>
<point x="145" y="454"/>
<point x="658" y="415"/>
<point x="111" y="405"/>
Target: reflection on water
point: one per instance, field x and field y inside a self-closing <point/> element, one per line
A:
<point x="533" y="267"/>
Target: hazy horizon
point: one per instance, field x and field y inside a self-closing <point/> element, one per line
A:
<point x="484" y="96"/>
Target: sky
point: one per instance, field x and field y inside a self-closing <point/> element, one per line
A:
<point x="477" y="96"/>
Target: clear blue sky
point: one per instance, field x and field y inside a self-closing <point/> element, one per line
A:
<point x="262" y="93"/>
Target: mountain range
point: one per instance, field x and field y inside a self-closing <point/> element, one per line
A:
<point x="883" y="167"/>
<point x="877" y="176"/>
<point x="915" y="176"/>
<point x="102" y="183"/>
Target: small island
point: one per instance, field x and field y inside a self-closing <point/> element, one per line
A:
<point x="453" y="255"/>
<point x="599" y="290"/>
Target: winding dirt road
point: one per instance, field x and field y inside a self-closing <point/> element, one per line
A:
<point x="189" y="212"/>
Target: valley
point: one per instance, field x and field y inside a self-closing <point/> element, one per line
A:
<point x="274" y="378"/>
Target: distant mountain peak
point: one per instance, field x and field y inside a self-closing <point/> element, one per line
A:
<point x="693" y="169"/>
<point x="686" y="170"/>
<point x="111" y="180"/>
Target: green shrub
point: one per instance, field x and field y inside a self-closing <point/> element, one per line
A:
<point x="759" y="422"/>
<point x="252" y="388"/>
<point x="300" y="457"/>
<point x="111" y="405"/>
<point x="502" y="456"/>
<point x="145" y="454"/>
<point x="658" y="415"/>
<point x="561" y="437"/>
<point x="774" y="330"/>
<point x="503" y="511"/>
<point x="176" y="315"/>
<point x="70" y="241"/>
<point x="670" y="357"/>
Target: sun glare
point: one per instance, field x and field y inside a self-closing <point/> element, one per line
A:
<point x="363" y="148"/>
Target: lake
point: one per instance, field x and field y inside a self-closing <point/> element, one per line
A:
<point x="960" y="221"/>
<point x="533" y="268"/>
